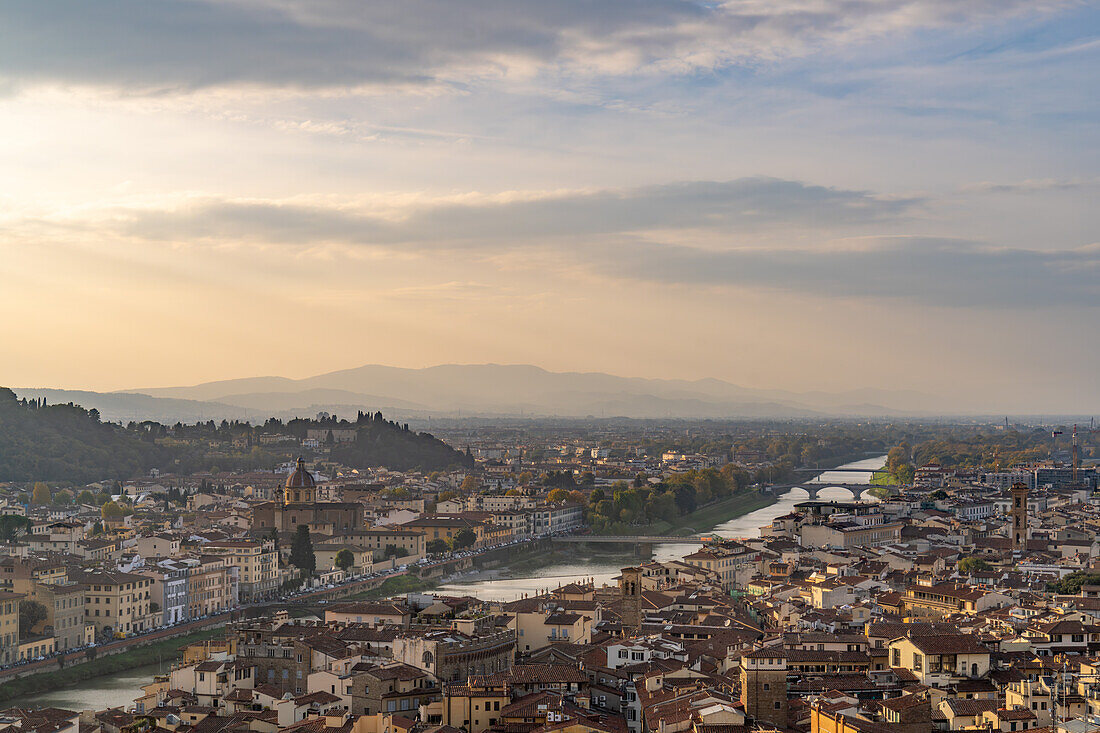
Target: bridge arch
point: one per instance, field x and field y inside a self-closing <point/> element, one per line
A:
<point x="816" y="492"/>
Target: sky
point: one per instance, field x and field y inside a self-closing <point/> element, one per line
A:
<point x="796" y="194"/>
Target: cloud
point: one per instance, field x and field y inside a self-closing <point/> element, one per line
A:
<point x="173" y="45"/>
<point x="1033" y="185"/>
<point x="648" y="234"/>
<point x="931" y="271"/>
<point x="729" y="207"/>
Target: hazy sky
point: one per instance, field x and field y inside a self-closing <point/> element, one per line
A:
<point x="805" y="194"/>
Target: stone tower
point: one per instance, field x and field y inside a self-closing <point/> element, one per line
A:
<point x="764" y="685"/>
<point x="1018" y="516"/>
<point x="630" y="592"/>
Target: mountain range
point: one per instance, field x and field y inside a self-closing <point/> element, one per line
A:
<point x="491" y="390"/>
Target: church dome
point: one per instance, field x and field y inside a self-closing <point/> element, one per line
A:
<point x="301" y="478"/>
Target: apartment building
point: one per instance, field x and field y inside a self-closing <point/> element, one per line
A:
<point x="552" y="518"/>
<point x="170" y="589"/>
<point x="379" y="538"/>
<point x="446" y="526"/>
<point x="257" y="563"/>
<point x="9" y="626"/>
<point x="211" y="585"/>
<point x="64" y="603"/>
<point x="734" y="565"/>
<point x="118" y="603"/>
<point x="158" y="545"/>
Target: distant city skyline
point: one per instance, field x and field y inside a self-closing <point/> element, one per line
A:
<point x="783" y="195"/>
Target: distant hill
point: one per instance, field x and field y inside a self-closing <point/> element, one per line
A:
<point x="496" y="389"/>
<point x="68" y="443"/>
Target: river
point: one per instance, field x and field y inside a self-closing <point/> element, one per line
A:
<point x="109" y="691"/>
<point x="120" y="689"/>
<point x="602" y="568"/>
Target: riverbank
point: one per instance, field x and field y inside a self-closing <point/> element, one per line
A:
<point x="708" y="517"/>
<point x="161" y="651"/>
<point x="394" y="586"/>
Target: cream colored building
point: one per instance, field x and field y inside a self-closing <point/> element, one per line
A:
<point x="9" y="626"/>
<point x="257" y="564"/>
<point x="118" y="603"/>
<point x="941" y="659"/>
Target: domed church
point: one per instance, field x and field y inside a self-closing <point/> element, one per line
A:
<point x="299" y="506"/>
<point x="300" y="486"/>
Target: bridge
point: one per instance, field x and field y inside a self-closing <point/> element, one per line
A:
<point x="837" y="470"/>
<point x="812" y="489"/>
<point x="631" y="539"/>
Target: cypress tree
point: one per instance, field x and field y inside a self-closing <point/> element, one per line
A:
<point x="301" y="552"/>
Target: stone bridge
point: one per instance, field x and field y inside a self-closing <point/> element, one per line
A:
<point x="812" y="489"/>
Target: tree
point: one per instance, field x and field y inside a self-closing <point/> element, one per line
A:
<point x="436" y="547"/>
<point x="13" y="525"/>
<point x="41" y="494"/>
<point x="973" y="565"/>
<point x="301" y="552"/>
<point x="86" y="497"/>
<point x="470" y="484"/>
<point x="97" y="528"/>
<point x="111" y="510"/>
<point x="63" y="497"/>
<point x="558" y="495"/>
<point x="31" y="613"/>
<point x="395" y="551"/>
<point x="154" y="607"/>
<point x="463" y="538"/>
<point x="345" y="558"/>
<point x="1071" y="584"/>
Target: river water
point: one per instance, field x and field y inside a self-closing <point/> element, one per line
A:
<point x="109" y="691"/>
<point x="119" y="690"/>
<point x="602" y="568"/>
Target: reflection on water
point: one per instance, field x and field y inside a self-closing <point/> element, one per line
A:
<point x="603" y="568"/>
<point x="109" y="691"/>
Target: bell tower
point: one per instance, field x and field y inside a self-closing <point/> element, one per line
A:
<point x="1018" y="518"/>
<point x="630" y="593"/>
<point x="764" y="685"/>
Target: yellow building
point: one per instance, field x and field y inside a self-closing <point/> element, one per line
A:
<point x="118" y="603"/>
<point x="728" y="563"/>
<point x="445" y="527"/>
<point x="941" y="659"/>
<point x="209" y="585"/>
<point x="37" y="646"/>
<point x="362" y="559"/>
<point x="379" y="538"/>
<point x="9" y="626"/>
<point x="257" y="564"/>
<point x="475" y="706"/>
